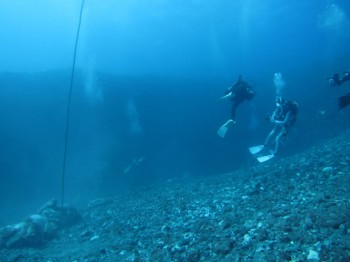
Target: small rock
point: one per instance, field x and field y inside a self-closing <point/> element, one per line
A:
<point x="177" y="249"/>
<point x="327" y="169"/>
<point x="263" y="235"/>
<point x="223" y="248"/>
<point x="313" y="256"/>
<point x="246" y="239"/>
<point x="193" y="256"/>
<point x="224" y="224"/>
<point x="95" y="237"/>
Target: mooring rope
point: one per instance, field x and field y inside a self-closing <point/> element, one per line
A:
<point x="69" y="104"/>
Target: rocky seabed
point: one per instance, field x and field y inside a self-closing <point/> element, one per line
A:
<point x="291" y="209"/>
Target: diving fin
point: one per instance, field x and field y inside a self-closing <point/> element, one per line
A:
<point x="223" y="129"/>
<point x="255" y="149"/>
<point x="344" y="101"/>
<point x="265" y="158"/>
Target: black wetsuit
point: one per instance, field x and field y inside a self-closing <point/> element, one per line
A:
<point x="343" y="101"/>
<point x="346" y="77"/>
<point x="242" y="91"/>
<point x="337" y="81"/>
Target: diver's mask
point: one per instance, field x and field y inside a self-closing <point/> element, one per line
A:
<point x="279" y="101"/>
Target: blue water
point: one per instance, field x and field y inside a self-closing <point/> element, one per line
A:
<point x="148" y="77"/>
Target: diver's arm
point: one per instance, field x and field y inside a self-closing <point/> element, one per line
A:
<point x="250" y="90"/>
<point x="346" y="77"/>
<point x="335" y="81"/>
<point x="235" y="86"/>
<point x="227" y="95"/>
<point x="285" y="120"/>
<point x="272" y="118"/>
<point x="228" y="90"/>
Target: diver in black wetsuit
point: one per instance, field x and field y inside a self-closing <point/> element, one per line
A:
<point x="336" y="81"/>
<point x="239" y="92"/>
<point x="343" y="101"/>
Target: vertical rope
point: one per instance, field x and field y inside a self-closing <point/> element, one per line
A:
<point x="69" y="105"/>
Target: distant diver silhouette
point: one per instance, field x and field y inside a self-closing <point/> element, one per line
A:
<point x="344" y="101"/>
<point x="336" y="81"/>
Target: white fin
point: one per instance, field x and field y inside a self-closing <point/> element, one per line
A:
<point x="265" y="158"/>
<point x="255" y="149"/>
<point x="223" y="129"/>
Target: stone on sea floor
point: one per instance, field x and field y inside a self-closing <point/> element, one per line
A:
<point x="223" y="248"/>
<point x="327" y="169"/>
<point x="313" y="256"/>
<point x="28" y="234"/>
<point x="36" y="229"/>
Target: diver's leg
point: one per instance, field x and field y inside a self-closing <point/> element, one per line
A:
<point x="273" y="131"/>
<point x="223" y="129"/>
<point x="336" y="80"/>
<point x="346" y="77"/>
<point x="280" y="137"/>
<point x="233" y="111"/>
<point x="235" y="104"/>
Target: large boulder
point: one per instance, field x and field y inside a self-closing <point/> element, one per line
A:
<point x="38" y="228"/>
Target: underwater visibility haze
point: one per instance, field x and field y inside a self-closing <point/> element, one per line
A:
<point x="148" y="76"/>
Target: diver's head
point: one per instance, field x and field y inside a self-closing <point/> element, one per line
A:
<point x="335" y="81"/>
<point x="279" y="101"/>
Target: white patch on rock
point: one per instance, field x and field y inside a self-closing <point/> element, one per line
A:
<point x="313" y="256"/>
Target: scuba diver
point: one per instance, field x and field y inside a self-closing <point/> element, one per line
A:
<point x="343" y="101"/>
<point x="336" y="81"/>
<point x="284" y="117"/>
<point x="237" y="93"/>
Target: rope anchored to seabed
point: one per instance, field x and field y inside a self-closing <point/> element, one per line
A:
<point x="69" y="104"/>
